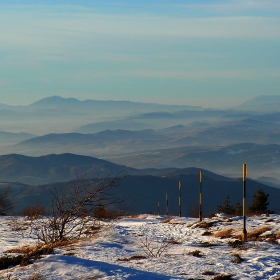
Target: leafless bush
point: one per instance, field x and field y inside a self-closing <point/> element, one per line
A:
<point x="155" y="249"/>
<point x="34" y="212"/>
<point x="72" y="212"/>
<point x="5" y="202"/>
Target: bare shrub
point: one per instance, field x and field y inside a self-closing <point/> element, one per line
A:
<point x="193" y="211"/>
<point x="34" y="212"/>
<point x="155" y="249"/>
<point x="5" y="202"/>
<point x="104" y="213"/>
<point x="72" y="212"/>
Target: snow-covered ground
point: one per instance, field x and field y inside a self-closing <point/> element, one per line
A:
<point x="194" y="251"/>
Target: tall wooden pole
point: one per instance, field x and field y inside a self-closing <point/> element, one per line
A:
<point x="200" y="196"/>
<point x="180" y="210"/>
<point x="244" y="233"/>
<point x="167" y="204"/>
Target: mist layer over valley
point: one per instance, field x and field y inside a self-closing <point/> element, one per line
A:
<point x="142" y="136"/>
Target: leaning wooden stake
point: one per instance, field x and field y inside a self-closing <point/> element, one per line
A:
<point x="244" y="233"/>
<point x="200" y="196"/>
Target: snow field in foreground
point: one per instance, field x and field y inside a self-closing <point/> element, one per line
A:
<point x="195" y="251"/>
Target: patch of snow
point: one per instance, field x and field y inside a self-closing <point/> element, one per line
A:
<point x="107" y="255"/>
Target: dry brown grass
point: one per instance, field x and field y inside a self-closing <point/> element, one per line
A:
<point x="238" y="244"/>
<point x="39" y="249"/>
<point x="206" y="233"/>
<point x="137" y="216"/>
<point x="237" y="258"/>
<point x="255" y="235"/>
<point x="208" y="272"/>
<point x="207" y="244"/>
<point x="195" y="253"/>
<point x="166" y="221"/>
<point x="223" y="276"/>
<point x="137" y="257"/>
<point x="204" y="225"/>
<point x="277" y="236"/>
<point x="227" y="233"/>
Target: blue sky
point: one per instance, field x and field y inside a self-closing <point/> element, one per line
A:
<point x="208" y="53"/>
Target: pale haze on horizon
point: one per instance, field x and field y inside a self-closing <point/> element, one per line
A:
<point x="207" y="53"/>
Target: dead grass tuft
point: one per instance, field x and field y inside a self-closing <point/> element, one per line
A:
<point x="238" y="244"/>
<point x="204" y="225"/>
<point x="7" y="261"/>
<point x="166" y="221"/>
<point x="174" y="241"/>
<point x="208" y="272"/>
<point x="206" y="233"/>
<point x="223" y="276"/>
<point x="237" y="258"/>
<point x="255" y="235"/>
<point x="207" y="244"/>
<point x="224" y="233"/>
<point x="277" y="236"/>
<point x="137" y="257"/>
<point x="195" y="253"/>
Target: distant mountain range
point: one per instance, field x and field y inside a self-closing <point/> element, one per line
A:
<point x="145" y="135"/>
<point x="141" y="193"/>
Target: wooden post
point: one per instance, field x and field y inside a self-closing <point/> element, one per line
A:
<point x="167" y="204"/>
<point x="158" y="207"/>
<point x="244" y="233"/>
<point x="200" y="196"/>
<point x="180" y="210"/>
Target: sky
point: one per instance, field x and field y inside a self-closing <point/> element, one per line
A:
<point x="193" y="52"/>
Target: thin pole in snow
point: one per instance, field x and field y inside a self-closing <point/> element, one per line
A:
<point x="180" y="210"/>
<point x="244" y="233"/>
<point x="200" y="196"/>
<point x="167" y="204"/>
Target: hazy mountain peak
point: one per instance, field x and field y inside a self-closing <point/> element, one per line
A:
<point x="53" y="101"/>
<point x="262" y="103"/>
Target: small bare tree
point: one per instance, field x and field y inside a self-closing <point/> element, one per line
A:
<point x="5" y="202"/>
<point x="73" y="210"/>
<point x="156" y="249"/>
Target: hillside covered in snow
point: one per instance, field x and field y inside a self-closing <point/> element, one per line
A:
<point x="153" y="247"/>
